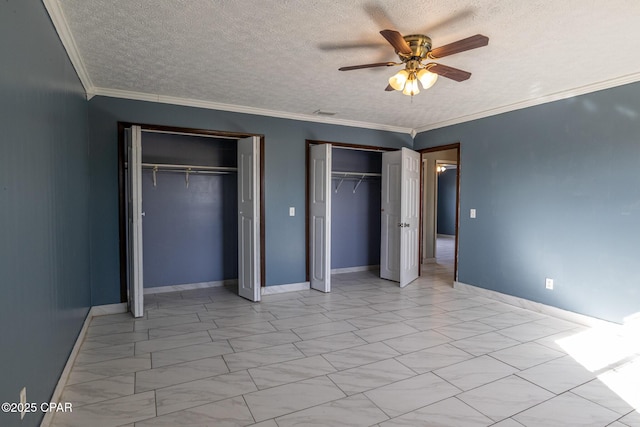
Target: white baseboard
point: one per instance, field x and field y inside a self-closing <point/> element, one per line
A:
<point x="98" y="310"/>
<point x="189" y="286"/>
<point x="103" y="310"/>
<point x="354" y="269"/>
<point x="534" y="306"/>
<point x="280" y="289"/>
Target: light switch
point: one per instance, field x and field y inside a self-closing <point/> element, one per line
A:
<point x="292" y="211"/>
<point x="472" y="213"/>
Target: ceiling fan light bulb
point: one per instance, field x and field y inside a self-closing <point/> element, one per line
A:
<point x="398" y="80"/>
<point x="411" y="88"/>
<point x="427" y="78"/>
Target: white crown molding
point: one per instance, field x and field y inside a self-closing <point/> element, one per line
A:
<point x="140" y="96"/>
<point x="64" y="32"/>
<point x="607" y="84"/>
<point x="61" y="25"/>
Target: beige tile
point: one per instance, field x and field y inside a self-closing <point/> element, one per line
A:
<point x="353" y="411"/>
<point x="284" y="399"/>
<point x="196" y="393"/>
<point x="231" y="412"/>
<point x="366" y="377"/>
<point x="180" y="373"/>
<point x="410" y="394"/>
<point x="289" y="372"/>
<point x="189" y="353"/>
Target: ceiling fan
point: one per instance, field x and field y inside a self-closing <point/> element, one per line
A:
<point x="413" y="50"/>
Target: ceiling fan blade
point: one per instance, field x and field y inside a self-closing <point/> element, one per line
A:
<point x="380" y="16"/>
<point x="448" y="72"/>
<point x="449" y="21"/>
<point x="377" y="64"/>
<point x="397" y="41"/>
<point x="389" y="88"/>
<point x="460" y="46"/>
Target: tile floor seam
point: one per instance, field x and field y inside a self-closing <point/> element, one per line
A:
<point x="551" y="391"/>
<point x="249" y="408"/>
<point x="595" y="402"/>
<point x="539" y="403"/>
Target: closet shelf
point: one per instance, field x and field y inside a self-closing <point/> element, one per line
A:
<point x="345" y="174"/>
<point x="186" y="169"/>
<point x="359" y="176"/>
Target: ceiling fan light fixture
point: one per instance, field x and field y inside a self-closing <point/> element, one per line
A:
<point x="427" y="78"/>
<point x="398" y="80"/>
<point x="411" y="87"/>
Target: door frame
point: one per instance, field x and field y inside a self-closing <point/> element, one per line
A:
<point x="122" y="203"/>
<point x="308" y="144"/>
<point x="446" y="147"/>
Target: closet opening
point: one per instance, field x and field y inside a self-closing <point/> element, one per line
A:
<point x="355" y="209"/>
<point x="354" y="196"/>
<point x="190" y="214"/>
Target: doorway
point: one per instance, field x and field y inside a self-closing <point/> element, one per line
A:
<point x="441" y="169"/>
<point x="236" y="164"/>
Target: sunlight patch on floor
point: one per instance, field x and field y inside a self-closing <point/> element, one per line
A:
<point x="612" y="352"/>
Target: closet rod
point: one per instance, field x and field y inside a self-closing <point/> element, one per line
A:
<point x="354" y="174"/>
<point x="186" y="169"/>
<point x="359" y="176"/>
<point x="191" y="168"/>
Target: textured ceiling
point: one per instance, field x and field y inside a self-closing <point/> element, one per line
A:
<point x="283" y="55"/>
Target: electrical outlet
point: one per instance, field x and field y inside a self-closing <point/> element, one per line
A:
<point x="472" y="213"/>
<point x="292" y="211"/>
<point x="23" y="402"/>
<point x="548" y="283"/>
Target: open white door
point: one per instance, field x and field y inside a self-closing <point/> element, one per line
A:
<point x="320" y="217"/>
<point x="249" y="218"/>
<point x="133" y="139"/>
<point x="400" y="216"/>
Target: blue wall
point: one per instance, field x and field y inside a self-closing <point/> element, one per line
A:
<point x="190" y="234"/>
<point x="557" y="193"/>
<point x="355" y="217"/>
<point x="284" y="176"/>
<point x="44" y="185"/>
<point x="447" y="201"/>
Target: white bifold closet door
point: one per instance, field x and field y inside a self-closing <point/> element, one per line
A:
<point x="320" y="217"/>
<point x="133" y="140"/>
<point x="400" y="217"/>
<point x="249" y="218"/>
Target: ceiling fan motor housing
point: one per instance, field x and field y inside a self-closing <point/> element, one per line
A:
<point x="420" y="46"/>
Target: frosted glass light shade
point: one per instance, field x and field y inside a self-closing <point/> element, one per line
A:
<point x="398" y="80"/>
<point x="427" y="78"/>
<point x="411" y="87"/>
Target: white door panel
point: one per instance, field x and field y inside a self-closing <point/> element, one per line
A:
<point x="390" y="216"/>
<point x="320" y="217"/>
<point x="400" y="216"/>
<point x="133" y="138"/>
<point x="249" y="218"/>
<point x="410" y="216"/>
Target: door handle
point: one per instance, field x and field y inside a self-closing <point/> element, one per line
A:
<point x="403" y="224"/>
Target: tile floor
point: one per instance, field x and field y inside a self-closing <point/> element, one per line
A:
<point x="367" y="354"/>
